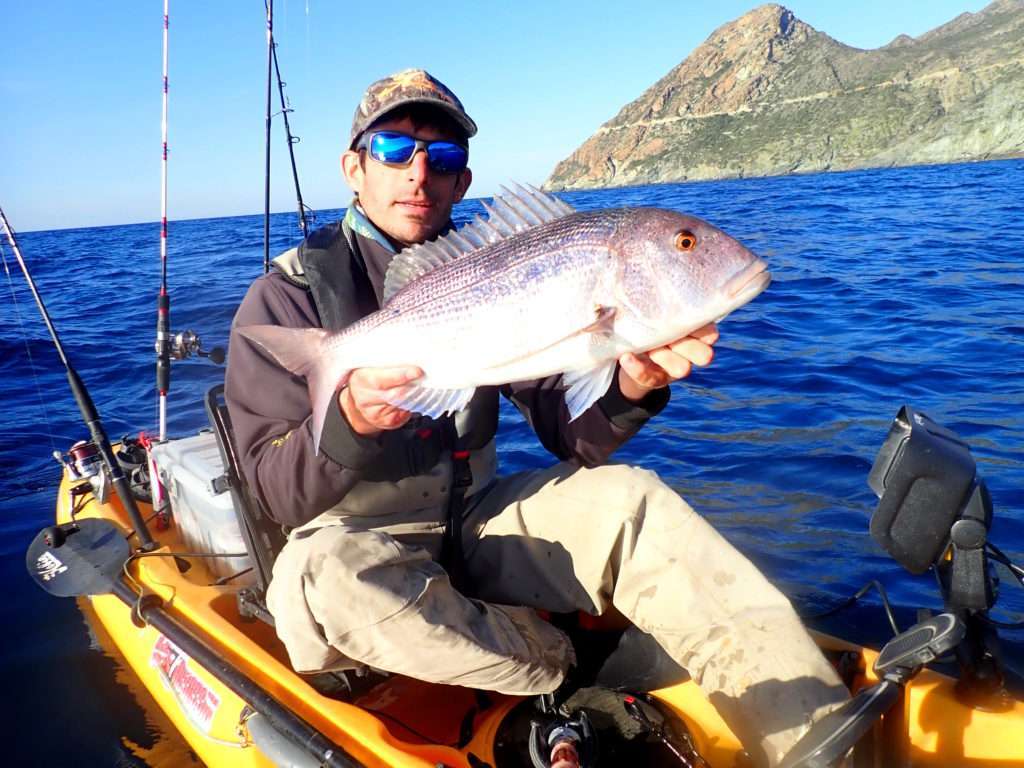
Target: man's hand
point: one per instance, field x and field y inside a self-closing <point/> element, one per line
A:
<point x="364" y="400"/>
<point x="641" y="373"/>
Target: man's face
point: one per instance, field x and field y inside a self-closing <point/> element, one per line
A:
<point x="409" y="204"/>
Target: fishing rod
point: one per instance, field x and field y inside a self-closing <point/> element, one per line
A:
<point x="163" y="307"/>
<point x="169" y="346"/>
<point x="85" y="405"/>
<point x="292" y="141"/>
<point x="273" y="68"/>
<point x="266" y="177"/>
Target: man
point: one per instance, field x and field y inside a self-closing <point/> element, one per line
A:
<point x="360" y="582"/>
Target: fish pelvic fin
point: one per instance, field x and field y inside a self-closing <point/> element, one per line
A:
<point x="509" y="213"/>
<point x="586" y="386"/>
<point x="302" y="351"/>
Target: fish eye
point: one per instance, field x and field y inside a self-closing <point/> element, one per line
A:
<point x="686" y="241"/>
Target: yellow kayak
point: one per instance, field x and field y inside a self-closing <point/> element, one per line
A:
<point x="224" y="681"/>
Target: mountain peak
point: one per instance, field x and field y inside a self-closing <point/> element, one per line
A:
<point x="900" y="40"/>
<point x="768" y="94"/>
<point x="769" y="20"/>
<point x="736" y="65"/>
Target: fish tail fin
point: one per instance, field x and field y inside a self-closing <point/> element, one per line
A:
<point x="303" y="352"/>
<point x="324" y="381"/>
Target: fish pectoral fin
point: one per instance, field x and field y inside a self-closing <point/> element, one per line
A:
<point x="600" y="331"/>
<point x="604" y="320"/>
<point x="585" y="387"/>
<point x="431" y="401"/>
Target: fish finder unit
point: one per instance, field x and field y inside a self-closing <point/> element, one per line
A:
<point x="933" y="509"/>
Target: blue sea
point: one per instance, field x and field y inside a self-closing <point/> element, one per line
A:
<point x="891" y="287"/>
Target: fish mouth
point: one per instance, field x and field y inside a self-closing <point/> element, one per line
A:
<point x="748" y="282"/>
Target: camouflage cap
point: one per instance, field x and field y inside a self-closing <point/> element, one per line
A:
<point x="410" y="86"/>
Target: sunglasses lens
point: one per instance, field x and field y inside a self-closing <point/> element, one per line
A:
<point x="389" y="147"/>
<point x="397" y="149"/>
<point x="446" y="157"/>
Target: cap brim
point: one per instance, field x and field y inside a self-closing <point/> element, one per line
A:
<point x="464" y="120"/>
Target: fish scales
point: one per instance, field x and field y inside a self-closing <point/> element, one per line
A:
<point x="491" y="305"/>
<point x="545" y="251"/>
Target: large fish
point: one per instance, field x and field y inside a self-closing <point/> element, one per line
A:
<point x="535" y="290"/>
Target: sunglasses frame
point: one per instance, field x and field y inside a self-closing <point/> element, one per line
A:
<point x="418" y="145"/>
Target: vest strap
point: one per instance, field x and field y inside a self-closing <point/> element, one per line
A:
<point x="328" y="264"/>
<point x="452" y="557"/>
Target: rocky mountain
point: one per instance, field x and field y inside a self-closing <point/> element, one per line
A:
<point x="768" y="94"/>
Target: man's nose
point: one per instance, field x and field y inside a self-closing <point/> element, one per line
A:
<point x="419" y="167"/>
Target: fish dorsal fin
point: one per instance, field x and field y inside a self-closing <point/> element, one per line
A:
<point x="509" y="213"/>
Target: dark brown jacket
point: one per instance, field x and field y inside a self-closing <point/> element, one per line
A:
<point x="271" y="412"/>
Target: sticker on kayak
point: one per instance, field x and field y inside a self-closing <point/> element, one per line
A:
<point x="196" y="699"/>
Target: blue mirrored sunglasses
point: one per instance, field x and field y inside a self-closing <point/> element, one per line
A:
<point x="394" y="148"/>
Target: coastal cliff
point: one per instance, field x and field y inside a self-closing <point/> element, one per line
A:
<point x="768" y="95"/>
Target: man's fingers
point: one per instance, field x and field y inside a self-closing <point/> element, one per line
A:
<point x="374" y="389"/>
<point x="392" y="418"/>
<point x="379" y="408"/>
<point x="384" y="416"/>
<point x="384" y="378"/>
<point x="707" y="333"/>
<point x="634" y="364"/>
<point x="692" y="349"/>
<point x="371" y="392"/>
<point x="675" y="365"/>
<point x="644" y="371"/>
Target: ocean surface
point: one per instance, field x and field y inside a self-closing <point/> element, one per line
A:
<point x="891" y="287"/>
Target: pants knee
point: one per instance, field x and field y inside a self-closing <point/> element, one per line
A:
<point x="639" y="497"/>
<point x="349" y="579"/>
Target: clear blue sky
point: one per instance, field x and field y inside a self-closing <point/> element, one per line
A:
<point x="80" y="131"/>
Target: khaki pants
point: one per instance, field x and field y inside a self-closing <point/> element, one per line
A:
<point x="561" y="539"/>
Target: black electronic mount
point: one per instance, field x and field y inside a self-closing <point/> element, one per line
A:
<point x="934" y="512"/>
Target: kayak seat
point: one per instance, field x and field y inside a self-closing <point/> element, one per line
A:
<point x="263" y="537"/>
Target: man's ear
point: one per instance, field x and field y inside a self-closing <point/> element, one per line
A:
<point x="352" y="170"/>
<point x="462" y="184"/>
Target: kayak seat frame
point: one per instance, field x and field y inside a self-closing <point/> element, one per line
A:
<point x="263" y="537"/>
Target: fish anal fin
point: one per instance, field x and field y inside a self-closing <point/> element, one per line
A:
<point x="431" y="401"/>
<point x="583" y="388"/>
